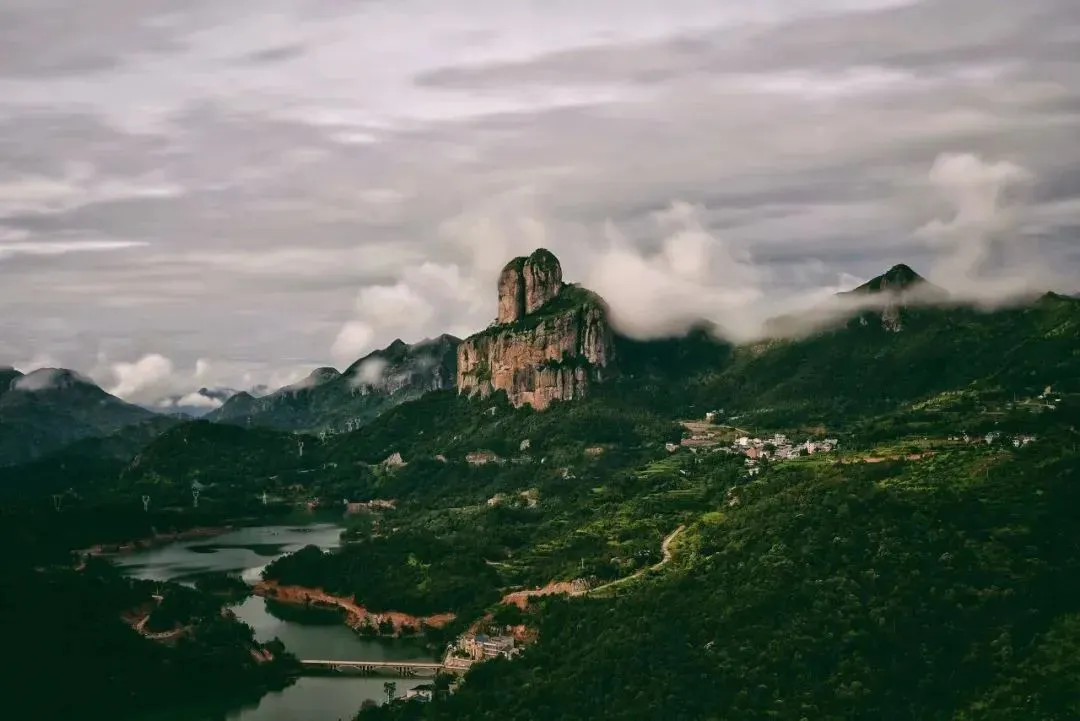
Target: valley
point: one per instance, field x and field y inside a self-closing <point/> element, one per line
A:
<point x="865" y="522"/>
<point x="244" y="552"/>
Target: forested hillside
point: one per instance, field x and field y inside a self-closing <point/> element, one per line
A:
<point x="938" y="588"/>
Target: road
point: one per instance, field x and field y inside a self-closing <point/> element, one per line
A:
<point x="665" y="551"/>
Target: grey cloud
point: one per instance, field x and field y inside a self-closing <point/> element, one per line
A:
<point x="932" y="35"/>
<point x="302" y="225"/>
<point x="48" y="38"/>
<point x="276" y="54"/>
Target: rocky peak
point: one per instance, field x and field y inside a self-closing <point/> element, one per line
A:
<point x="897" y="279"/>
<point x="527" y="284"/>
<point x="550" y="342"/>
<point x="900" y="286"/>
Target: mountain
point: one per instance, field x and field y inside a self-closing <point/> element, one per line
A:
<point x="550" y="340"/>
<point x="882" y="300"/>
<point x="893" y="292"/>
<point x="50" y="408"/>
<point x="332" y="401"/>
<point x="899" y="279"/>
<point x="893" y="349"/>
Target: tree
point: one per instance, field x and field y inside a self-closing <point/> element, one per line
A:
<point x="390" y="688"/>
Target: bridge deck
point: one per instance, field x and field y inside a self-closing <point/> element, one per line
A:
<point x="372" y="664"/>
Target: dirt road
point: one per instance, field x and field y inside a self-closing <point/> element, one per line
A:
<point x="665" y="550"/>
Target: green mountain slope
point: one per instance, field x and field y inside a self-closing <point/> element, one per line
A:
<point x="90" y="465"/>
<point x="232" y="465"/>
<point x="864" y="367"/>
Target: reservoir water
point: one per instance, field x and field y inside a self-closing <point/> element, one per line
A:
<point x="246" y="551"/>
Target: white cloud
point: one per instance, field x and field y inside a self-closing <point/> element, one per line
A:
<point x="353" y="340"/>
<point x="43" y="379"/>
<point x="145" y="379"/>
<point x="370" y="373"/>
<point x="198" y="400"/>
<point x="695" y="276"/>
<point x="984" y="255"/>
<point x="39" y="360"/>
<point x="430" y="298"/>
<point x="51" y="248"/>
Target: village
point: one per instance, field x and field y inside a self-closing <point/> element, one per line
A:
<point x="709" y="436"/>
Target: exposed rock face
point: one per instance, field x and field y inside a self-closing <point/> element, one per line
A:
<point x="512" y="291"/>
<point x="527" y="284"/>
<point x="543" y="279"/>
<point x="550" y="342"/>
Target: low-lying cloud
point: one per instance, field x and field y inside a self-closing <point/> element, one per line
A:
<point x="370" y="373"/>
<point x="974" y="229"/>
<point x="43" y="379"/>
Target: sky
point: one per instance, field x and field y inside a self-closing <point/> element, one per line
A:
<point x="209" y="193"/>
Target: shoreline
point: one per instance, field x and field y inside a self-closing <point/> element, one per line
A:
<point x="355" y="614"/>
<point x="161" y="539"/>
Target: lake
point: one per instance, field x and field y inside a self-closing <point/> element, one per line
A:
<point x="246" y="551"/>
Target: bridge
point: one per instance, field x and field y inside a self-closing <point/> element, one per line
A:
<point x="407" y="669"/>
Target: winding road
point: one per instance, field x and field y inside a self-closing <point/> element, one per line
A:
<point x="665" y="550"/>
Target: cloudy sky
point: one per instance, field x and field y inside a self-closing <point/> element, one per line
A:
<point x="233" y="192"/>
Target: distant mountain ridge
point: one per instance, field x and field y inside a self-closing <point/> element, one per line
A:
<point x="895" y="337"/>
<point x="328" y="400"/>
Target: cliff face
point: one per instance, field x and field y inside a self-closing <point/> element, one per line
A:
<point x="550" y="340"/>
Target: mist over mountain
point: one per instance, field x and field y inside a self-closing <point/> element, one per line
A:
<point x="896" y="336"/>
<point x="332" y="401"/>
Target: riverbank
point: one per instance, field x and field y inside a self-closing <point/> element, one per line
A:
<point x="356" y="616"/>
